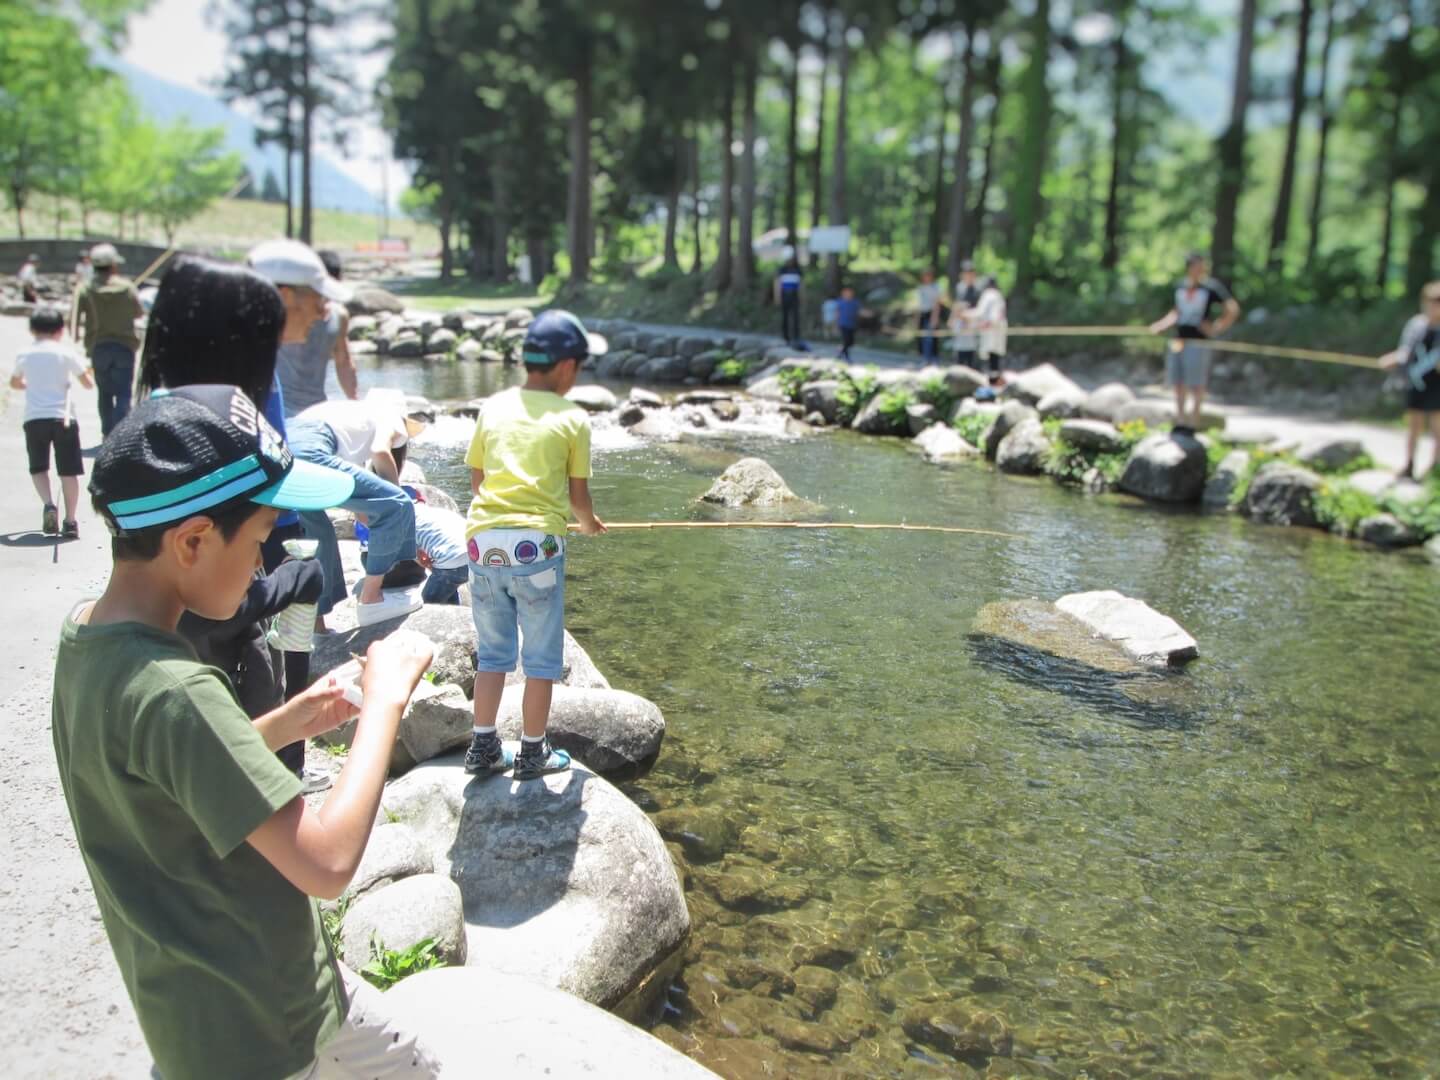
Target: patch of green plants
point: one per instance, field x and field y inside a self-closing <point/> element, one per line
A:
<point x="334" y="916"/>
<point x="975" y="427"/>
<point x="387" y="966"/>
<point x="1341" y="508"/>
<point x="934" y="391"/>
<point x="791" y="380"/>
<point x="1069" y="463"/>
<point x="854" y="393"/>
<point x="892" y="405"/>
<point x="731" y="370"/>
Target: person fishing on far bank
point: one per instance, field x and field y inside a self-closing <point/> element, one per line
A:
<point x="1418" y="358"/>
<point x="1187" y="363"/>
<point x="789" y="285"/>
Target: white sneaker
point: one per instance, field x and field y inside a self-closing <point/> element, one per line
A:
<point x="312" y="782"/>
<point x="392" y="605"/>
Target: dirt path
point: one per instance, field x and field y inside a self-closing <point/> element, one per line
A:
<point x="65" y="1011"/>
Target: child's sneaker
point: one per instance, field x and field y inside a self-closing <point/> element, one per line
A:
<point x="537" y="762"/>
<point x="50" y="520"/>
<point x="70" y="530"/>
<point x="487" y="755"/>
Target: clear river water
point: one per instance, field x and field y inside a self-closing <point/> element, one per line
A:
<point x="907" y="853"/>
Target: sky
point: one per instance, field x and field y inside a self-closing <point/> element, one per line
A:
<point x="176" y="41"/>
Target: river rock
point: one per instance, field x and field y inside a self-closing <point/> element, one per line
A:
<point x="664" y="369"/>
<point x="1331" y="455"/>
<point x="393" y="852"/>
<point x="1038" y="626"/>
<point x="564" y="879"/>
<point x="1024" y="450"/>
<point x="1035" y="383"/>
<point x="1220" y="487"/>
<point x="646" y="399"/>
<point x="749" y="482"/>
<point x="1152" y="412"/>
<point x="822" y="396"/>
<point x="1145" y="634"/>
<point x="1010" y="416"/>
<point x="449" y="628"/>
<point x="1373" y="482"/>
<point x="920" y="416"/>
<point x="1105" y="402"/>
<point x="629" y="414"/>
<point x="404" y="914"/>
<point x="1061" y="403"/>
<point x="372" y="300"/>
<point x="941" y="442"/>
<point x="971" y="407"/>
<point x="689" y="347"/>
<point x="1432" y="549"/>
<point x="961" y="1029"/>
<point x="1283" y="494"/>
<point x="962" y="381"/>
<point x="407" y="344"/>
<point x="592" y="398"/>
<point x="1094" y="435"/>
<point x="549" y="1034"/>
<point x="1386" y="530"/>
<point x="441" y="341"/>
<point x="469" y="351"/>
<point x="872" y="421"/>
<point x="613" y="732"/>
<point x="517" y="318"/>
<point x="1167" y="468"/>
<point x="703" y="365"/>
<point x="361" y="326"/>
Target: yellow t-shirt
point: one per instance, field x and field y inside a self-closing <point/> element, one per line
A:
<point x="529" y="443"/>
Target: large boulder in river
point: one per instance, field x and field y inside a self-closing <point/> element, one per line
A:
<point x="961" y="381"/>
<point x="372" y="300"/>
<point x="1166" y="468"/>
<point x="1010" y="416"/>
<point x="1094" y="435"/>
<point x="549" y="1034"/>
<point x="613" y="732"/>
<point x="941" y="442"/>
<point x="1024" y="450"/>
<point x="1061" y="403"/>
<point x="1033" y="384"/>
<point x="1105" y="402"/>
<point x="592" y="398"/>
<point x="1283" y="494"/>
<point x="749" y="482"/>
<point x="822" y="396"/>
<point x="403" y="915"/>
<point x="874" y="419"/>
<point x="1386" y="530"/>
<point x="1145" y="634"/>
<point x="1220" y="487"/>
<point x="564" y="879"/>
<point x="392" y="853"/>
<point x="1331" y="455"/>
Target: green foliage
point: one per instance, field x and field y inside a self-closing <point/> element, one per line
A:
<point x="791" y="380"/>
<point x="935" y="391"/>
<point x="731" y="370"/>
<point x="1341" y="508"/>
<point x="892" y="405"/>
<point x="333" y="915"/>
<point x="387" y="966"/>
<point x="975" y="427"/>
<point x="854" y="393"/>
<point x="1069" y="463"/>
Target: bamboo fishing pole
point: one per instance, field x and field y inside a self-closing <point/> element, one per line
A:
<point x="901" y="527"/>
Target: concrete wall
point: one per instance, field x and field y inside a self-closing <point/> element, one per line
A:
<point x="60" y="256"/>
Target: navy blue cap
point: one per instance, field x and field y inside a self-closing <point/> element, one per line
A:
<point x="557" y="335"/>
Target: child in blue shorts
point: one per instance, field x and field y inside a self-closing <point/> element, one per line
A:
<point x="529" y="467"/>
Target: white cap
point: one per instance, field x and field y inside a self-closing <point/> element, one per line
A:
<point x="289" y="262"/>
<point x="103" y="255"/>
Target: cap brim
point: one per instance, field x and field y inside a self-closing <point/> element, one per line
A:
<point x="597" y="344"/>
<point x="307" y="487"/>
<point x="333" y="290"/>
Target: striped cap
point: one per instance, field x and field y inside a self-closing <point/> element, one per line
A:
<point x="184" y="452"/>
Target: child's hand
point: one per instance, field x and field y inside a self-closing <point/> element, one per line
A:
<point x="320" y="708"/>
<point x="393" y="667"/>
<point x="593" y="527"/>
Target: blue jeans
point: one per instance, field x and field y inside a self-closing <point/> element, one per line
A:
<point x="443" y="586"/>
<point x="390" y="512"/>
<point x="531" y="597"/>
<point x="929" y="345"/>
<point x="114" y="364"/>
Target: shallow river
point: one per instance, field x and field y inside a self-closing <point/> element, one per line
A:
<point x="907" y="854"/>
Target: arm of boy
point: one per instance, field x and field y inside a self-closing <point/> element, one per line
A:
<point x="477" y="480"/>
<point x="590" y="525"/>
<point x="318" y="850"/>
<point x="382" y="456"/>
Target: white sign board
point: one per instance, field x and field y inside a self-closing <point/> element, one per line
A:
<point x="830" y="240"/>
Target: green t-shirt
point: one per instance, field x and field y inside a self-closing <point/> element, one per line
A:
<point x="226" y="962"/>
<point x="529" y="443"/>
<point x="109" y="308"/>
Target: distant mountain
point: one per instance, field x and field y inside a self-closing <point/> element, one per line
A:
<point x="166" y="102"/>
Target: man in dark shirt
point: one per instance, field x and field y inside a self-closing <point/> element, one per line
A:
<point x="788" y="285"/>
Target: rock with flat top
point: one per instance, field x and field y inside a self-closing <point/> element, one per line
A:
<point x="1166" y="467"/>
<point x="1105" y="402"/>
<point x="618" y="734"/>
<point x="1094" y="435"/>
<point x="1033" y="384"/>
<point x="592" y="398"/>
<point x="941" y="442"/>
<point x="1141" y="631"/>
<point x="749" y="482"/>
<point x="1331" y="455"/>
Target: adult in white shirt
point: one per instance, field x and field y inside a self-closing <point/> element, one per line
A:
<point x="928" y="295"/>
<point x="990" y="319"/>
<point x="367" y="439"/>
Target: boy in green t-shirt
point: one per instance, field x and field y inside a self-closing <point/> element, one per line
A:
<point x="201" y="851"/>
<point x="529" y="466"/>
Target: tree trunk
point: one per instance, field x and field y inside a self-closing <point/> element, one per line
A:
<point x="447" y="255"/>
<point x="938" y="191"/>
<point x="1420" y="262"/>
<point x="960" y="193"/>
<point x="838" y="166"/>
<point x="1317" y="195"/>
<point x="1232" y="148"/>
<point x="792" y="150"/>
<point x="672" y="204"/>
<point x="289" y="180"/>
<point x="307" y="134"/>
<point x="723" y="263"/>
<point x="500" y="226"/>
<point x="817" y="162"/>
<point x="579" y="221"/>
<point x="539" y="252"/>
<point x="1033" y="144"/>
<point x="1280" y="223"/>
<point x="994" y="84"/>
<point x="696" y="222"/>
<point x="1392" y="177"/>
<point x="745" y="267"/>
<point x="1120" y="88"/>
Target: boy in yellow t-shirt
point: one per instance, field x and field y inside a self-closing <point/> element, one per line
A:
<point x="529" y="467"/>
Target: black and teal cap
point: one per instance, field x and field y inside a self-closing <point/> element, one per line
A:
<point x="188" y="451"/>
<point x="557" y="335"/>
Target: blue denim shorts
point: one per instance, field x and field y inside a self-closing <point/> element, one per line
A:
<point x="528" y="597"/>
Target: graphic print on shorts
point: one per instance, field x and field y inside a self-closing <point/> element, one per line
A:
<point x="496" y="557"/>
<point x="473" y="549"/>
<point x="550" y="546"/>
<point x="526" y="552"/>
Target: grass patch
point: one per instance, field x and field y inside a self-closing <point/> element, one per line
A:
<point x="483" y="297"/>
<point x="1070" y="464"/>
<point x="388" y="966"/>
<point x="334" y="916"/>
<point x="975" y="427"/>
